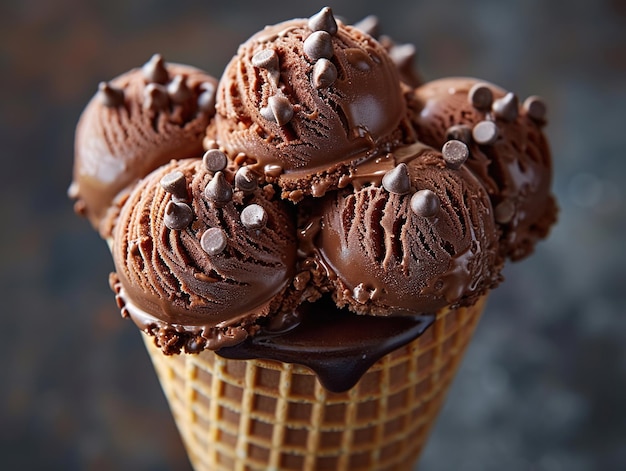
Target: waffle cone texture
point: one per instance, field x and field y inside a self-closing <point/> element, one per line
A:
<point x="249" y="415"/>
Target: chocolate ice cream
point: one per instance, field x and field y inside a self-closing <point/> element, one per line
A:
<point x="422" y="239"/>
<point x="135" y="123"/>
<point x="305" y="99"/>
<point x="313" y="185"/>
<point x="200" y="260"/>
<point x="509" y="152"/>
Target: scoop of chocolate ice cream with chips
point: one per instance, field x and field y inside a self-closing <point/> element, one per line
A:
<point x="421" y="238"/>
<point x="135" y="123"/>
<point x="203" y="255"/>
<point x="508" y="151"/>
<point x="303" y="100"/>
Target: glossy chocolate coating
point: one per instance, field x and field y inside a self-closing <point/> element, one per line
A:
<point x="339" y="346"/>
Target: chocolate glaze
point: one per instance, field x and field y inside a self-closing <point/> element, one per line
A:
<point x="337" y="345"/>
<point x="187" y="284"/>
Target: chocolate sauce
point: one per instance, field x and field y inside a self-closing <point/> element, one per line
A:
<point x="337" y="345"/>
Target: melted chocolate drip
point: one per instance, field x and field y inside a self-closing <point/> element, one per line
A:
<point x="337" y="345"/>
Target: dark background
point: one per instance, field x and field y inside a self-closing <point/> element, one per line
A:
<point x="543" y="386"/>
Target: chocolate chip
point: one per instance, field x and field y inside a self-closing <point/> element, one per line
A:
<point x="177" y="215"/>
<point x="215" y="160"/>
<point x="535" y="108"/>
<point x="459" y="132"/>
<point x="206" y="99"/>
<point x="361" y="294"/>
<point x="218" y="190"/>
<point x="485" y="132"/>
<point x="254" y="216"/>
<point x="480" y="96"/>
<point x="178" y="90"/>
<point x="245" y="180"/>
<point x="369" y="25"/>
<point x="265" y="59"/>
<point x="504" y="211"/>
<point x="155" y="97"/>
<point x="403" y="55"/>
<point x="397" y="180"/>
<point x="278" y="110"/>
<point x="455" y="153"/>
<point x="213" y="241"/>
<point x="319" y="45"/>
<point x="154" y="70"/>
<point x="109" y="95"/>
<point x="323" y="21"/>
<point x="268" y="59"/>
<point x="324" y="74"/>
<point x="175" y="184"/>
<point x="268" y="114"/>
<point x="506" y="107"/>
<point x="425" y="203"/>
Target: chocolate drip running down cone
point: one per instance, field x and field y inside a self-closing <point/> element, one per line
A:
<point x="267" y="414"/>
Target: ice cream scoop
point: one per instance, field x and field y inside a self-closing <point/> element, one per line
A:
<point x="422" y="239"/>
<point x="135" y="123"/>
<point x="305" y="99"/>
<point x="508" y="151"/>
<point x="199" y="261"/>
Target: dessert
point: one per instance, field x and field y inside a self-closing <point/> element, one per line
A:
<point x="209" y="250"/>
<point x="133" y="124"/>
<point x="508" y="151"/>
<point x="294" y="84"/>
<point x="420" y="245"/>
<point x="308" y="267"/>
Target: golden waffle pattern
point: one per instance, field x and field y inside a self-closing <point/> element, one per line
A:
<point x="253" y="415"/>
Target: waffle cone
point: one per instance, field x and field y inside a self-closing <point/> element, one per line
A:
<point x="267" y="415"/>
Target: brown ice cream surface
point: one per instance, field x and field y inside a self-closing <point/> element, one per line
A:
<point x="339" y="346"/>
<point x="206" y="282"/>
<point x="133" y="124"/>
<point x="338" y="194"/>
<point x="385" y="255"/>
<point x="338" y="95"/>
<point x="514" y="163"/>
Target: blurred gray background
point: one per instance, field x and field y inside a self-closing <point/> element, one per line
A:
<point x="543" y="386"/>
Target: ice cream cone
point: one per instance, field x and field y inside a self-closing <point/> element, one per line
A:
<point x="267" y="415"/>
